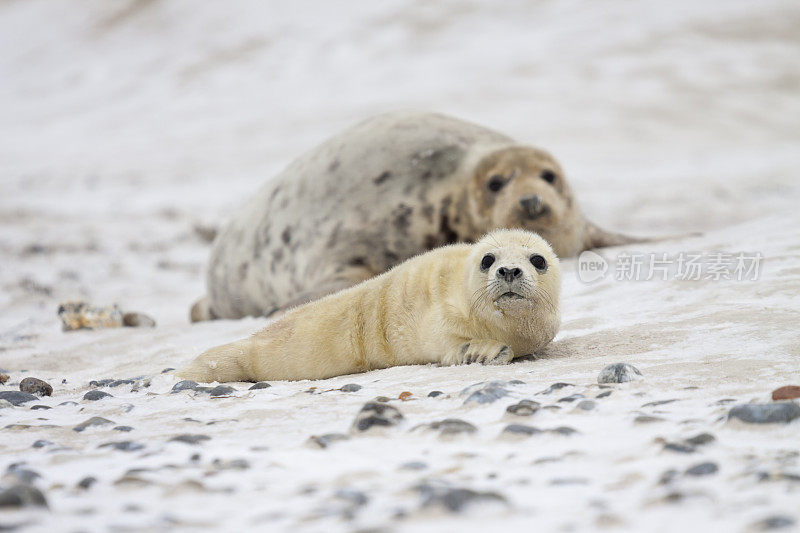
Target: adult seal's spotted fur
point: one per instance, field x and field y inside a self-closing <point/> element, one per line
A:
<point x="376" y="194"/>
<point x="464" y="303"/>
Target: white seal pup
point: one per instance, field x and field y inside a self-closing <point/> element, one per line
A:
<point x="376" y="194"/>
<point x="485" y="302"/>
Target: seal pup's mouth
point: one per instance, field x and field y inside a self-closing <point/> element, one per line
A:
<point x="511" y="295"/>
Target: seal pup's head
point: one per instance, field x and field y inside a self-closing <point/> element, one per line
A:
<point x="515" y="277"/>
<point x="524" y="187"/>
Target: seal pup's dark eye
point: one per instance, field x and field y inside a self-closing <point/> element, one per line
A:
<point x="496" y="183"/>
<point x="487" y="261"/>
<point x="549" y="176"/>
<point x="539" y="262"/>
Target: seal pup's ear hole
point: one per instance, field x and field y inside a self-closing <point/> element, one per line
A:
<point x="549" y="176"/>
<point x="486" y="262"/>
<point x="538" y="262"/>
<point x="496" y="182"/>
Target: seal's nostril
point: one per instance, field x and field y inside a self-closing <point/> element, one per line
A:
<point x="509" y="274"/>
<point x="516" y="272"/>
<point x="533" y="205"/>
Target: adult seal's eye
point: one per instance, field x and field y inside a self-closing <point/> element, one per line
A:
<point x="549" y="176"/>
<point x="496" y="183"/>
<point x="539" y="262"/>
<point x="487" y="261"/>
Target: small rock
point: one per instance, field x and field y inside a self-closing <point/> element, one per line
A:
<point x="123" y="445"/>
<point x="455" y="499"/>
<point x="124" y="429"/>
<point x="41" y="443"/>
<point x="222" y="390"/>
<point x="520" y="430"/>
<point x="604" y="394"/>
<point x="137" y="320"/>
<point x="87" y="482"/>
<point x="186" y="384"/>
<point x="586" y="405"/>
<point x="484" y="392"/>
<point x="405" y="395"/>
<point x="323" y="441"/>
<point x="376" y="414"/>
<point x="618" y="373"/>
<point x="773" y="522"/>
<point x="4" y="378"/>
<point x="94" y="395"/>
<point x="81" y="315"/>
<point x="659" y="402"/>
<point x="564" y="430"/>
<point x="413" y="465"/>
<point x="702" y="469"/>
<point x="434" y="393"/>
<point x="260" y="385"/>
<point x="167" y="370"/>
<point x="118" y="382"/>
<point x="556" y="386"/>
<point x="769" y="413"/>
<point x="679" y="447"/>
<point x="523" y="408"/>
<point x="233" y="464"/>
<point x="700" y="439"/>
<point x="789" y="392"/>
<point x="571" y="398"/>
<point x="190" y="439"/>
<point x="22" y="475"/>
<point x="647" y="419"/>
<point x="101" y="382"/>
<point x="40" y="407"/>
<point x="35" y="386"/>
<point x="68" y="402"/>
<point x="351" y="387"/>
<point x="450" y="427"/>
<point x="22" y="496"/>
<point x="95" y="421"/>
<point x="17" y="397"/>
<point x="383" y="399"/>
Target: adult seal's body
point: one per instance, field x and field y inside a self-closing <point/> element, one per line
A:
<point x="378" y="193"/>
<point x="486" y="302"/>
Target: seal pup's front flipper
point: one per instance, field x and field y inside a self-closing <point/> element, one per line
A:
<point x="596" y="237"/>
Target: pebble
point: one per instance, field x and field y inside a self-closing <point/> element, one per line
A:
<point x="700" y="439"/>
<point x="92" y="422"/>
<point x="376" y="414"/>
<point x="455" y="499"/>
<point x="190" y="438"/>
<point x="167" y="370"/>
<point x="564" y="430"/>
<point x="123" y="445"/>
<point x="233" y="464"/>
<point x="4" y="378"/>
<point x="484" y="392"/>
<point x="137" y="320"/>
<point x="81" y="315"/>
<point x="523" y="408"/>
<point x="17" y="397"/>
<point x="323" y="441"/>
<point x="124" y="429"/>
<point x="22" y="496"/>
<point x="604" y="394"/>
<point x="586" y="405"/>
<point x="520" y="430"/>
<point x="41" y="443"/>
<point x="679" y="447"/>
<point x="789" y="392"/>
<point x="260" y="385"/>
<point x="101" y="382"/>
<point x="35" y="386"/>
<point x="22" y="475"/>
<point x="40" y="407"/>
<point x="94" y="395"/>
<point x="556" y="386"/>
<point x="434" y="393"/>
<point x="773" y="522"/>
<point x="618" y="373"/>
<point x="702" y="469"/>
<point x="413" y="465"/>
<point x="647" y="419"/>
<point x="350" y="387"/>
<point x="659" y="402"/>
<point x="87" y="482"/>
<point x="769" y="413"/>
<point x="118" y="382"/>
<point x="571" y="398"/>
<point x="450" y="427"/>
<point x="186" y="384"/>
<point x="222" y="390"/>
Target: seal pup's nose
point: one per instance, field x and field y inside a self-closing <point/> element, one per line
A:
<point x="533" y="206"/>
<point x="509" y="274"/>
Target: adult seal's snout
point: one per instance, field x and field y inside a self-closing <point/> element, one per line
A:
<point x="534" y="206"/>
<point x="509" y="274"/>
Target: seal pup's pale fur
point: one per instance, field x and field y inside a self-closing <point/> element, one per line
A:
<point x="486" y="302"/>
<point x="384" y="190"/>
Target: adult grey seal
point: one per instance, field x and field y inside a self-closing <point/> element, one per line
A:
<point x="387" y="189"/>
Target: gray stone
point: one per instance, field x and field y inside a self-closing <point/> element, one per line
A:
<point x="413" y="465"/>
<point x="434" y="393"/>
<point x="767" y="413"/>
<point x="323" y="441"/>
<point x="123" y="445"/>
<point x="22" y="496"/>
<point x="564" y="430"/>
<point x="351" y="387"/>
<point x="450" y="427"/>
<point x="571" y="398"/>
<point x="190" y="438"/>
<point x="484" y="392"/>
<point x="455" y="499"/>
<point x="15" y="397"/>
<point x="604" y="394"/>
<point x="232" y="464"/>
<point x="41" y="443"/>
<point x="556" y="386"/>
<point x="700" y="439"/>
<point x="94" y="395"/>
<point x="586" y="405"/>
<point x="40" y="407"/>
<point x="702" y="469"/>
<point x="124" y="429"/>
<point x="101" y="382"/>
<point x="376" y="414"/>
<point x="137" y="320"/>
<point x="679" y="447"/>
<point x="647" y="419"/>
<point x="118" y="382"/>
<point x="260" y="385"/>
<point x="520" y="430"/>
<point x="87" y="482"/>
<point x="523" y="408"/>
<point x="186" y="384"/>
<point x="95" y="421"/>
<point x="222" y="390"/>
<point x="773" y="522"/>
<point x="22" y="475"/>
<point x="659" y="402"/>
<point x="618" y="373"/>
<point x="35" y="386"/>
